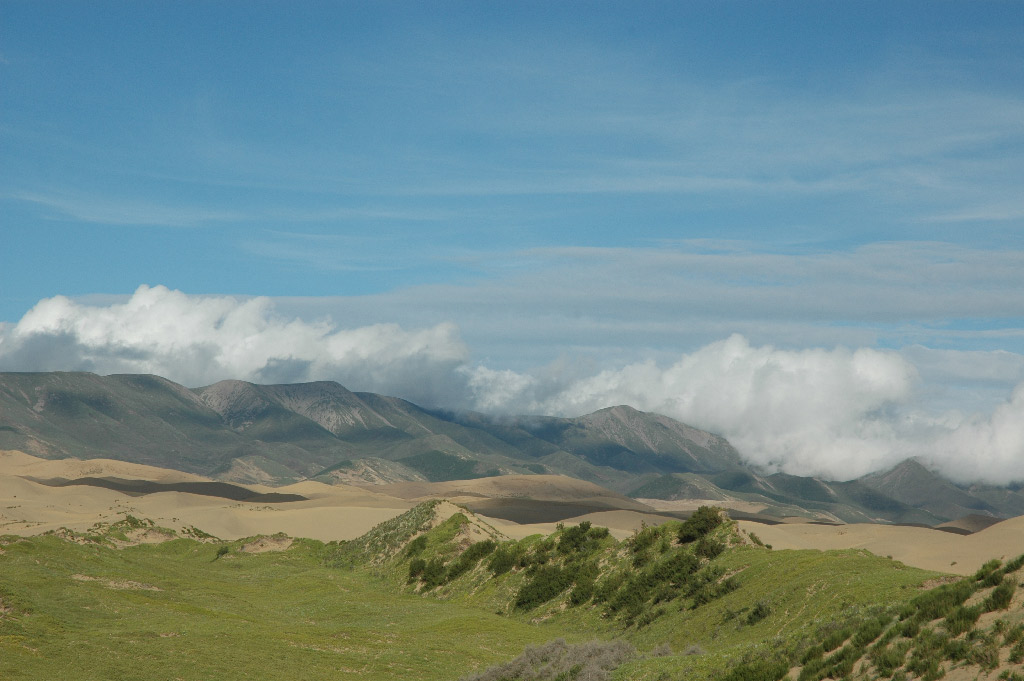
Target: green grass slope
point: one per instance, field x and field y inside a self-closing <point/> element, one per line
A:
<point x="190" y="610"/>
<point x="436" y="593"/>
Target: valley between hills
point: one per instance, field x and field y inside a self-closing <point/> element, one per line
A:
<point x="244" y="531"/>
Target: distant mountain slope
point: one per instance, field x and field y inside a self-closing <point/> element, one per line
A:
<point x="622" y="437"/>
<point x="913" y="484"/>
<point x="278" y="434"/>
<point x="143" y="419"/>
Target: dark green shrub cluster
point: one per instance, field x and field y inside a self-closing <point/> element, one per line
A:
<point x="416" y="568"/>
<point x="1017" y="652"/>
<point x="888" y="658"/>
<point x="505" y="557"/>
<point x="1014" y="565"/>
<point x="416" y="546"/>
<point x="834" y="639"/>
<point x="1001" y="596"/>
<point x="840" y="663"/>
<point x="581" y="538"/>
<point x="436" y="572"/>
<point x="547" y="582"/>
<point x="758" y="670"/>
<point x="987" y="570"/>
<point x="1013" y="635"/>
<point x="703" y="521"/>
<point x="709" y="548"/>
<point x="677" y="575"/>
<point x="939" y="601"/>
<point x="469" y="558"/>
<point x="760" y="610"/>
<point x="929" y="651"/>
<point x="961" y="619"/>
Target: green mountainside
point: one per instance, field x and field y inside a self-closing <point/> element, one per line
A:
<point x="278" y="434"/>
<point x="436" y="593"/>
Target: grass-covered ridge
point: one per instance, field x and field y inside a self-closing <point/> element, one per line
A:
<point x="693" y="600"/>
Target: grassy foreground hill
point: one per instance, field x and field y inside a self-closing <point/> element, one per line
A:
<point x="437" y="593"/>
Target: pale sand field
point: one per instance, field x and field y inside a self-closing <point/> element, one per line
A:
<point x="916" y="546"/>
<point x="345" y="512"/>
<point x="28" y="507"/>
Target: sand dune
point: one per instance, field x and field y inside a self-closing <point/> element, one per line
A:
<point x="21" y="464"/>
<point x="917" y="546"/>
<point x="557" y="488"/>
<point x="344" y="512"/>
<point x="28" y="507"/>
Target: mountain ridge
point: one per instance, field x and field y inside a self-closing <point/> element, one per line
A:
<point x="244" y="432"/>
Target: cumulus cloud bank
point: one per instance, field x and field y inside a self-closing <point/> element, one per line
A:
<point x="808" y="412"/>
<point x="836" y="413"/>
<point x="200" y="340"/>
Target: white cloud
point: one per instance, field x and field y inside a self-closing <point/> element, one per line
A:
<point x="813" y="411"/>
<point x="197" y="340"/>
<point x="837" y="413"/>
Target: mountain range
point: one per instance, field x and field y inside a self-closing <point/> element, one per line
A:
<point x="242" y="432"/>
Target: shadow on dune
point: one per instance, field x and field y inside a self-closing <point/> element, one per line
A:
<point x="221" y="490"/>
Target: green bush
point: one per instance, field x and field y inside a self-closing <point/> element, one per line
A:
<point x="834" y="639"/>
<point x="961" y="619"/>
<point x="760" y="670"/>
<point x="547" y="582"/>
<point x="416" y="568"/>
<point x="469" y="558"/>
<point x="987" y="569"/>
<point x="703" y="521"/>
<point x="887" y="659"/>
<point x="573" y="539"/>
<point x="416" y="546"/>
<point x="433" y="573"/>
<point x="708" y="548"/>
<point x="504" y="558"/>
<point x="1001" y="596"/>
<point x="939" y="601"/>
<point x="760" y="610"/>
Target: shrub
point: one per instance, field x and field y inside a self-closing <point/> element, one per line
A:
<point x="833" y="640"/>
<point x="1014" y="565"/>
<point x="469" y="558"/>
<point x="1017" y="652"/>
<point x="987" y="569"/>
<point x="1001" y="596"/>
<point x="961" y="619"/>
<point x="416" y="546"/>
<point x="503" y="559"/>
<point x="887" y="659"/>
<point x="607" y="587"/>
<point x="760" y="610"/>
<point x="558" y="661"/>
<point x="759" y="670"/>
<point x="870" y="630"/>
<point x="433" y="573"/>
<point x="1013" y="635"/>
<point x="547" y="582"/>
<point x="708" y="548"/>
<point x="700" y="524"/>
<point x="573" y="539"/>
<point x="416" y="567"/>
<point x="939" y="601"/>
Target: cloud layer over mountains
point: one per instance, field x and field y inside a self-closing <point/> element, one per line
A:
<point x="837" y="413"/>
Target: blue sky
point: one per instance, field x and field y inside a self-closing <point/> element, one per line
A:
<point x="525" y="197"/>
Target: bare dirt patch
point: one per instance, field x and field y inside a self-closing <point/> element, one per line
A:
<point x="119" y="584"/>
<point x="266" y="544"/>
